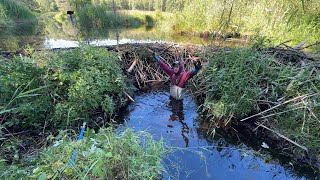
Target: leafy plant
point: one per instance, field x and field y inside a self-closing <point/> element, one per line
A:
<point x="59" y="88"/>
<point x="107" y="154"/>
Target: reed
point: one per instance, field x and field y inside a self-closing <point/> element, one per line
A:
<point x="277" y="20"/>
<point x="16" y="11"/>
<point x="15" y="20"/>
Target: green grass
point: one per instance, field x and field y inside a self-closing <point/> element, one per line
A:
<point x="15" y="10"/>
<point x="277" y="20"/>
<point x="124" y="155"/>
<point x="15" y="20"/>
<point x="243" y="82"/>
<point x="97" y="20"/>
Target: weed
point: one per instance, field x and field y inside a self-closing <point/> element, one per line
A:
<point x="106" y="154"/>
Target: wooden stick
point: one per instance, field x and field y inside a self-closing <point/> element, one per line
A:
<point x="132" y="66"/>
<point x="311" y="112"/>
<point x="282" y="136"/>
<point x="299" y="97"/>
<point x="137" y="80"/>
<point x="269" y="115"/>
<point x="318" y="42"/>
<point x="128" y="96"/>
<point x="155" y="80"/>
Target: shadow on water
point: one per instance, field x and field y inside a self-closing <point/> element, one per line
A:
<point x="196" y="155"/>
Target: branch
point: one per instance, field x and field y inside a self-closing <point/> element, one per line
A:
<point x="284" y="137"/>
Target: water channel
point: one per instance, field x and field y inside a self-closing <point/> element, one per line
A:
<point x="196" y="154"/>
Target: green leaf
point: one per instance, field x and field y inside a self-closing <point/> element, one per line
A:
<point x="43" y="176"/>
<point x="109" y="155"/>
<point x="7" y="110"/>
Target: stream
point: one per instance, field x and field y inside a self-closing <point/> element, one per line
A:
<point x="196" y="155"/>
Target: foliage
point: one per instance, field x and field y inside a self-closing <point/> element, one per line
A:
<point x="233" y="81"/>
<point x="124" y="155"/>
<point x="11" y="171"/>
<point x="15" y="20"/>
<point x="47" y="5"/>
<point x="279" y="20"/>
<point x="95" y="20"/>
<point x="88" y="78"/>
<point x="59" y="88"/>
<point x="16" y="10"/>
<point x="21" y="89"/>
<point x="243" y="82"/>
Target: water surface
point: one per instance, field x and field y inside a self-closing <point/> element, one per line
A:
<point x="197" y="155"/>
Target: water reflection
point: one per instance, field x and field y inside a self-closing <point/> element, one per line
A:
<point x="60" y="43"/>
<point x="60" y="32"/>
<point x="197" y="154"/>
<point x="176" y="107"/>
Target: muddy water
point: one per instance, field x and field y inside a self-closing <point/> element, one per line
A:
<point x="196" y="155"/>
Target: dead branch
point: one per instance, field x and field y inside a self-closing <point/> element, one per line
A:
<point x="274" y="107"/>
<point x="282" y="136"/>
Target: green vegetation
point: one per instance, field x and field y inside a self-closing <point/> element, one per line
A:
<point x="60" y="88"/>
<point x="15" y="20"/>
<point x="96" y="20"/>
<point x="243" y="82"/>
<point x="279" y="20"/>
<point x="124" y="155"/>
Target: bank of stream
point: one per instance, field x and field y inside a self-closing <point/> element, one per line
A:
<point x="218" y="153"/>
<point x="197" y="154"/>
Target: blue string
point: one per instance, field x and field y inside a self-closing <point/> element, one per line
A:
<point x="71" y="163"/>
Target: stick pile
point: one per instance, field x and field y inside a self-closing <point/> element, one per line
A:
<point x="138" y="62"/>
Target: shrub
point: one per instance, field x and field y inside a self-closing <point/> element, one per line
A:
<point x="59" y="88"/>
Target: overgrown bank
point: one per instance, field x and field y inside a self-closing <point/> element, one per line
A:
<point x="45" y="95"/>
<point x="124" y="155"/>
<point x="279" y="94"/>
<point x="60" y="89"/>
<point x="235" y="84"/>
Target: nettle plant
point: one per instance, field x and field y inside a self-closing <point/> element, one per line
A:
<point x="60" y="88"/>
<point x="123" y="155"/>
<point x="88" y="78"/>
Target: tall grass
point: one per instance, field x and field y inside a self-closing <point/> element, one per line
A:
<point x="16" y="10"/>
<point x="243" y="82"/>
<point x="233" y="82"/>
<point x="96" y="20"/>
<point x="277" y="20"/>
<point x="15" y="20"/>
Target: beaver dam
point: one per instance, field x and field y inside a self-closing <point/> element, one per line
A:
<point x="249" y="113"/>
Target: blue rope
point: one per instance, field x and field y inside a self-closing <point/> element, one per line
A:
<point x="71" y="163"/>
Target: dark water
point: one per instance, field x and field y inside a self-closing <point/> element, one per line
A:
<point x="197" y="155"/>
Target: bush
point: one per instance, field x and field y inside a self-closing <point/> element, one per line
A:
<point x="59" y="88"/>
